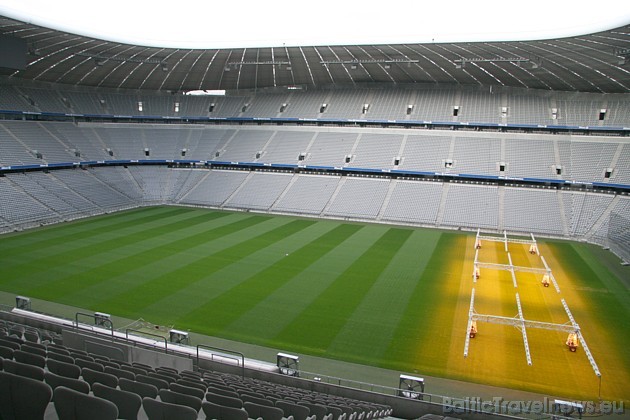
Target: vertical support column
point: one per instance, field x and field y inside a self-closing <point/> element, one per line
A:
<point x="589" y="356"/>
<point x="551" y="277"/>
<point x="534" y="246"/>
<point x="475" y="274"/>
<point x="523" y="330"/>
<point x="512" y="270"/>
<point x="471" y="312"/>
<point x="478" y="239"/>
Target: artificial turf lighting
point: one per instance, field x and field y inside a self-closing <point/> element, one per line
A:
<point x="288" y="364"/>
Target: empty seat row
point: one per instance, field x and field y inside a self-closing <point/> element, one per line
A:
<point x="233" y="391"/>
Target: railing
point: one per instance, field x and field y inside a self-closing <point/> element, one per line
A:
<point x="225" y="353"/>
<point x="149" y="334"/>
<point x="104" y="321"/>
<point x="445" y="401"/>
<point x="366" y="386"/>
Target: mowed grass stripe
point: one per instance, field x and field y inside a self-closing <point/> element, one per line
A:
<point x="67" y="250"/>
<point x="166" y="285"/>
<point x="116" y="264"/>
<point x="33" y="240"/>
<point x="122" y="284"/>
<point x="236" y="302"/>
<point x="27" y="237"/>
<point x="69" y="269"/>
<point x="243" y="265"/>
<point x="284" y="305"/>
<point x="369" y="331"/>
<point x="205" y="287"/>
<point x="421" y="340"/>
<point x="576" y="268"/>
<point x="614" y="297"/>
<point x="317" y="326"/>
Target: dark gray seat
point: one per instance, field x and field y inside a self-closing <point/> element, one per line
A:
<point x="82" y="356"/>
<point x="57" y="350"/>
<point x="74" y="405"/>
<point x="69" y="370"/>
<point x="109" y="363"/>
<point x="61" y="357"/>
<point x="173" y="397"/>
<point x="159" y="410"/>
<point x="22" y="398"/>
<point x="224" y="400"/>
<point x="13" y="338"/>
<point x="188" y="390"/>
<point x="318" y="410"/>
<point x="29" y="358"/>
<point x="193" y="384"/>
<point x="32" y="348"/>
<point x="139" y="388"/>
<point x="120" y="373"/>
<point x="164" y="377"/>
<point x="348" y="411"/>
<point x="221" y="412"/>
<point x="143" y="366"/>
<point x="299" y="412"/>
<point x="98" y="357"/>
<point x="168" y="372"/>
<point x="23" y="369"/>
<point x="86" y="364"/>
<point x="128" y="403"/>
<point x="135" y="370"/>
<point x="191" y="374"/>
<point x="92" y="376"/>
<point x="337" y="413"/>
<point x="6" y="342"/>
<point x="159" y="383"/>
<point x="223" y="391"/>
<point x="31" y="335"/>
<point x="256" y="400"/>
<point x="6" y="352"/>
<point x="57" y="346"/>
<point x="57" y="380"/>
<point x="264" y="411"/>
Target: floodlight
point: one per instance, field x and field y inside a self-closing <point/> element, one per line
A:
<point x="179" y="337"/>
<point x="102" y="319"/>
<point x="22" y="302"/>
<point x="566" y="408"/>
<point x="288" y="364"/>
<point x="411" y="387"/>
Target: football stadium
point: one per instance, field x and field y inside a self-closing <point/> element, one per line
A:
<point x="355" y="231"/>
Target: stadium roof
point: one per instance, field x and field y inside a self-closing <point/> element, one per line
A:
<point x="598" y="62"/>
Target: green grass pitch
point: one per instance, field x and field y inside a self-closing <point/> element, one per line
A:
<point x="386" y="296"/>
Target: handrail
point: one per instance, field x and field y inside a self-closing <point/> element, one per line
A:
<point x="241" y="355"/>
<point x="365" y="386"/>
<point x="94" y="317"/>
<point x="149" y="334"/>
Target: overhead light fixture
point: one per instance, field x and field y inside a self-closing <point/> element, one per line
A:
<point x="460" y="63"/>
<point x="258" y="63"/>
<point x="102" y="58"/>
<point x="371" y="61"/>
